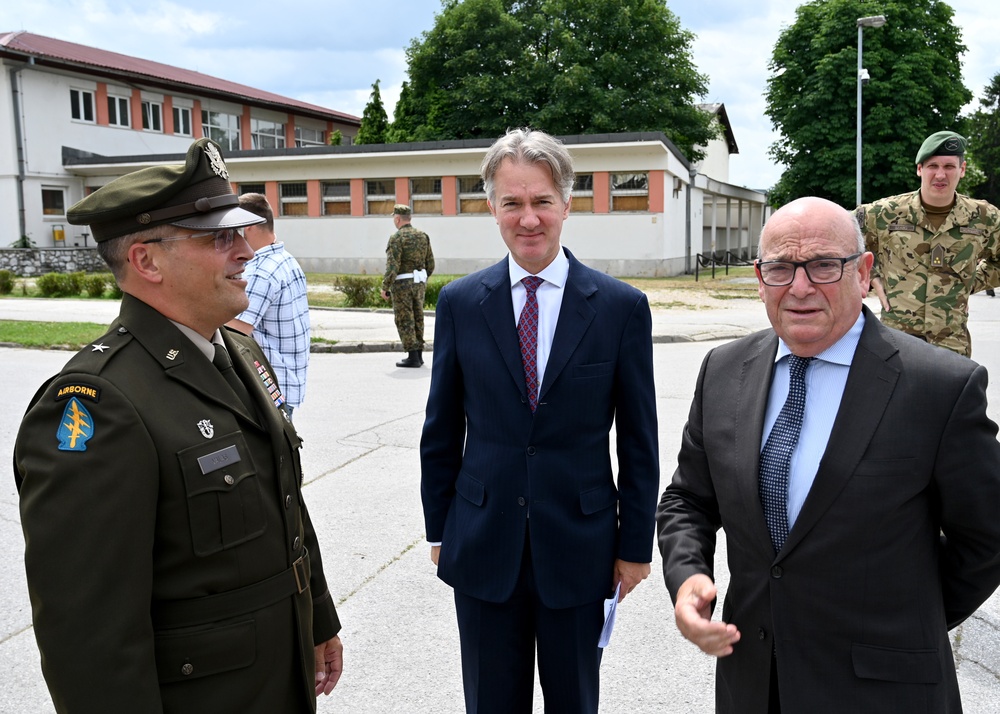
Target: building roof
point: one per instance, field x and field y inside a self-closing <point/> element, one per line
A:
<point x="49" y="52"/>
<point x="719" y="110"/>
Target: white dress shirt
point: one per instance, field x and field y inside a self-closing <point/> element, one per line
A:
<point x="549" y="294"/>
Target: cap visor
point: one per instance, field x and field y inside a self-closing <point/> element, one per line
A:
<point x="234" y="217"/>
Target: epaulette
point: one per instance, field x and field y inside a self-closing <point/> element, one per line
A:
<point x="92" y="358"/>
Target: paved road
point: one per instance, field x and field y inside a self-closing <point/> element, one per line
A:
<point x="361" y="425"/>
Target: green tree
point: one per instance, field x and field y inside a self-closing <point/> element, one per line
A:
<point x="984" y="149"/>
<point x="563" y="66"/>
<point x="374" y="121"/>
<point x="915" y="90"/>
<point x="336" y="138"/>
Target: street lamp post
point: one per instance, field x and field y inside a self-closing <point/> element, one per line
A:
<point x="862" y="78"/>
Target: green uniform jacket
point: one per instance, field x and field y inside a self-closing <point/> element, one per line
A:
<point x="409" y="249"/>
<point x="146" y="488"/>
<point x="929" y="274"/>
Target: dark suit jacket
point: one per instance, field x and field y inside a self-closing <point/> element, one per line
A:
<point x="144" y="515"/>
<point x="487" y="461"/>
<point x="897" y="541"/>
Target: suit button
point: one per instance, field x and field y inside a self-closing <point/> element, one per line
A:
<point x="531" y="451"/>
<point x="520" y="500"/>
<point x="288" y="501"/>
<point x="761" y="635"/>
<point x="229" y="479"/>
<point x="776" y="572"/>
<point x="187" y="669"/>
<point x="296" y="543"/>
<point x="524" y="399"/>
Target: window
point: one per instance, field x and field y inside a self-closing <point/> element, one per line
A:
<point x="629" y="192"/>
<point x="81" y="104"/>
<point x="583" y="193"/>
<point x="251" y="188"/>
<point x="118" y="111"/>
<point x="336" y="198"/>
<point x="380" y="196"/>
<point x="294" y="200"/>
<point x="223" y="129"/>
<point x="426" y="195"/>
<point x="471" y="195"/>
<point x="267" y="134"/>
<point x="152" y="116"/>
<point x="182" y="121"/>
<point x="53" y="202"/>
<point x="309" y="137"/>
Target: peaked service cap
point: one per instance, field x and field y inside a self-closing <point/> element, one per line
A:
<point x="196" y="195"/>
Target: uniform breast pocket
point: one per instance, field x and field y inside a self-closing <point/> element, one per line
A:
<point x="225" y="506"/>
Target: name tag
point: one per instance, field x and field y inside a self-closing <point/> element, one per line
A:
<point x="971" y="231"/>
<point x="218" y="459"/>
<point x="902" y="227"/>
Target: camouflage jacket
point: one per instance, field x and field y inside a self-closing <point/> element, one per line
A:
<point x="409" y="249"/>
<point x="929" y="274"/>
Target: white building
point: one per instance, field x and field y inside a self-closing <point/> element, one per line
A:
<point x="639" y="207"/>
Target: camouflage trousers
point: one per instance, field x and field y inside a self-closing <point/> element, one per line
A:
<point x="408" y="308"/>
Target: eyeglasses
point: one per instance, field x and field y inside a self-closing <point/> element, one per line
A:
<point x="819" y="270"/>
<point x="224" y="238"/>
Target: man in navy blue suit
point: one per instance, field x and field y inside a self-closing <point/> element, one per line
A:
<point x="535" y="358"/>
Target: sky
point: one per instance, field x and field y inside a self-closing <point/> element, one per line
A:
<point x="330" y="52"/>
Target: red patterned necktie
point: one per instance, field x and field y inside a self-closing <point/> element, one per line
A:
<point x="527" y="334"/>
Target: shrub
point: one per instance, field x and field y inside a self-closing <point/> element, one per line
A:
<point x="115" y="289"/>
<point x="75" y="281"/>
<point x="94" y="285"/>
<point x="6" y="282"/>
<point x="54" y="285"/>
<point x="433" y="289"/>
<point x="361" y="290"/>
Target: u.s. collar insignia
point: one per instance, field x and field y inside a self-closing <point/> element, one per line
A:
<point x="206" y="428"/>
<point x="216" y="161"/>
<point x="76" y="427"/>
<point x="172" y="354"/>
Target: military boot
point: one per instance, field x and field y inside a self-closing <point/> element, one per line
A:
<point x="420" y="356"/>
<point x="412" y="360"/>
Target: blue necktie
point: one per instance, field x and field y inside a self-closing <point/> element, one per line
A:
<point x="776" y="456"/>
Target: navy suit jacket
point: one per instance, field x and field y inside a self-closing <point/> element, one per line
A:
<point x="898" y="539"/>
<point x="490" y="466"/>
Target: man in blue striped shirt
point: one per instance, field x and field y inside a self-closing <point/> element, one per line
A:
<point x="278" y="315"/>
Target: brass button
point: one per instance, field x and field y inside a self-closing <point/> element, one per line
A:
<point x="187" y="669"/>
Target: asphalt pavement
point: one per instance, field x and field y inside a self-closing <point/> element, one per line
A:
<point x="361" y="424"/>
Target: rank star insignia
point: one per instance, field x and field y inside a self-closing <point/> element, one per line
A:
<point x="206" y="428"/>
<point x="99" y="348"/>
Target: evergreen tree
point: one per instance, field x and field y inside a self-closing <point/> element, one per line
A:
<point x="374" y="121"/>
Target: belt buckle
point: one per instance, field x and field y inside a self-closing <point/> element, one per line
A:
<point x="301" y="576"/>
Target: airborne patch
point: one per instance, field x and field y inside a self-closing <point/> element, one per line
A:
<point x="76" y="427"/>
<point x="86" y="391"/>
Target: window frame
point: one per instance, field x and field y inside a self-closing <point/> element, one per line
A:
<point x="230" y="138"/>
<point x="286" y="200"/>
<point x="382" y="200"/>
<point x="473" y="197"/>
<point x="625" y="193"/>
<point x="149" y="117"/>
<point x="266" y="134"/>
<point x="179" y="112"/>
<point x="119" y="113"/>
<point x="80" y="108"/>
<point x="420" y="201"/>
<point x="61" y="191"/>
<point x="333" y="199"/>
<point x="302" y="141"/>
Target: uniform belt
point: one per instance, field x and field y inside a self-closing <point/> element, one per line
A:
<point x="418" y="276"/>
<point x="168" y="614"/>
<point x="404" y="276"/>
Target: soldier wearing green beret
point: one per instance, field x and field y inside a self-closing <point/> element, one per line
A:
<point x="409" y="260"/>
<point x="933" y="248"/>
<point x="171" y="563"/>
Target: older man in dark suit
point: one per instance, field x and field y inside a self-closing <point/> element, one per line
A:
<point x="857" y="478"/>
<point x="534" y="359"/>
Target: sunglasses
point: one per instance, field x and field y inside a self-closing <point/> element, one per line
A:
<point x="224" y="238"/>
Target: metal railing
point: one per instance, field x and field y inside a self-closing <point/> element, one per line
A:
<point x="724" y="258"/>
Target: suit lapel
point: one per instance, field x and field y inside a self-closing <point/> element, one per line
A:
<point x="498" y="313"/>
<point x="870" y="384"/>
<point x="751" y="405"/>
<point x="575" y="315"/>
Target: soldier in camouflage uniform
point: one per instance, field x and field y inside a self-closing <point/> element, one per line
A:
<point x="408" y="262"/>
<point x="933" y="248"/>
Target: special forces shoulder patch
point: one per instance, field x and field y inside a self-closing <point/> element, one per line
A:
<point x="76" y="427"/>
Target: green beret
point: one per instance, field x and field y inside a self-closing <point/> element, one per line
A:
<point x="942" y="143"/>
<point x="401" y="209"/>
<point x="195" y="195"/>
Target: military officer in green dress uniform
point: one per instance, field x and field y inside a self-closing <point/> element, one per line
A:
<point x="171" y="563"/>
<point x="409" y="260"/>
<point x="933" y="248"/>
